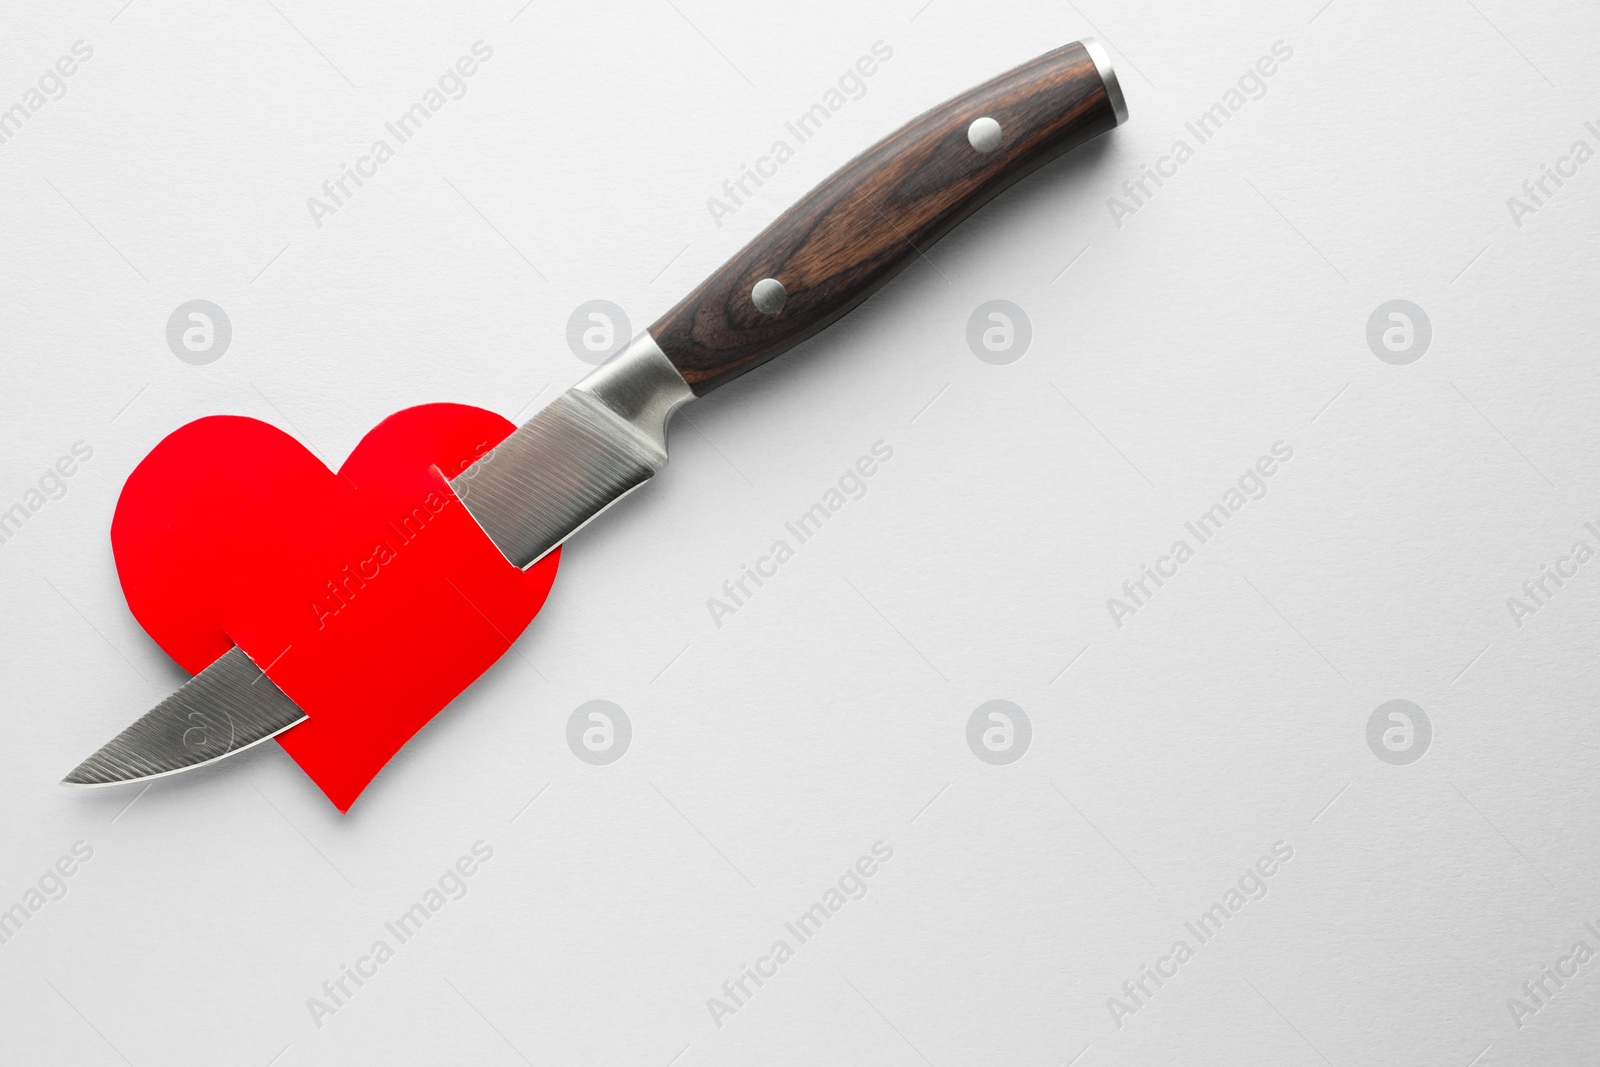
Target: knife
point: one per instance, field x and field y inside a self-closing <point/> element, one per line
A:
<point x="607" y="435"/>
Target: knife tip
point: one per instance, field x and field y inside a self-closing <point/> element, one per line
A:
<point x="75" y="779"/>
<point x="87" y="774"/>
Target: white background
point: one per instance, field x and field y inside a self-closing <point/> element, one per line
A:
<point x="830" y="712"/>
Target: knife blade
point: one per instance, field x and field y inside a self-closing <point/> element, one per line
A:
<point x="224" y="709"/>
<point x="607" y="435"/>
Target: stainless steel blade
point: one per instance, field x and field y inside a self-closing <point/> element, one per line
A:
<point x="224" y="709"/>
<point x="600" y="440"/>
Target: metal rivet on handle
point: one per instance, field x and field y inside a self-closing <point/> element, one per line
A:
<point x="984" y="134"/>
<point x="768" y="296"/>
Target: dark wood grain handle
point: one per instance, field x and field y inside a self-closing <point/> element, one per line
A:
<point x="880" y="211"/>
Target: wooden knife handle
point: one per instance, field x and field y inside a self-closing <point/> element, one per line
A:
<point x="856" y="230"/>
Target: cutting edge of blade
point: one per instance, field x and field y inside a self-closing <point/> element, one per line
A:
<point x="69" y="783"/>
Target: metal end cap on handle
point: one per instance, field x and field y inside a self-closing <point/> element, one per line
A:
<point x="1108" y="75"/>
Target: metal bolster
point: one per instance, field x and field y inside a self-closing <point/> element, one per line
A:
<point x="641" y="388"/>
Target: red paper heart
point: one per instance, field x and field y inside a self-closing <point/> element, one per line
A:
<point x="369" y="596"/>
